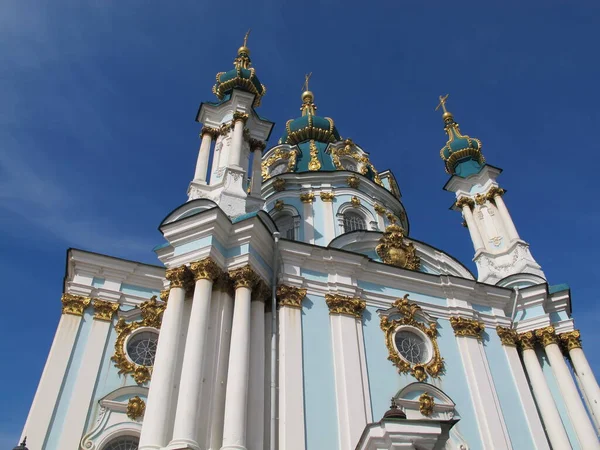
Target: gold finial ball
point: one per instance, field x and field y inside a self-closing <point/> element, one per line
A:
<point x="307" y="97"/>
<point x="244" y="50"/>
<point x="447" y="115"/>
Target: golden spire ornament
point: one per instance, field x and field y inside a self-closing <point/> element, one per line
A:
<point x="308" y="107"/>
<point x="447" y="115"/>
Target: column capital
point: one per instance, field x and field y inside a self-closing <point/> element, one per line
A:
<point x="213" y="132"/>
<point x="104" y="310"/>
<point x="348" y="306"/>
<point x="494" y="192"/>
<point x="546" y="336"/>
<point x="180" y="277"/>
<point x="261" y="292"/>
<point x="570" y="340"/>
<point x="327" y="196"/>
<point x="240" y="116"/>
<point x="464" y="201"/>
<point x="508" y="336"/>
<point x="256" y="144"/>
<point x="290" y="296"/>
<point x="467" y="327"/>
<point x="244" y="277"/>
<point x="527" y="340"/>
<point x="205" y="269"/>
<point x="224" y="283"/>
<point x="74" y="304"/>
<point x="307" y="197"/>
<point x="379" y="209"/>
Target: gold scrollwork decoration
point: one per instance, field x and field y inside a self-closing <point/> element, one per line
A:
<point x="244" y="277"/>
<point x="494" y="192"/>
<point x="527" y="340"/>
<point x="426" y="404"/>
<point x="342" y="304"/>
<point x="180" y="277"/>
<point x="352" y="151"/>
<point x="480" y="199"/>
<point x="151" y="312"/>
<point x="465" y="201"/>
<point x="546" y="336"/>
<point x="307" y="197"/>
<point x="327" y="196"/>
<point x="467" y="327"/>
<point x="570" y="340"/>
<point x="379" y="209"/>
<point x="290" y="296"/>
<point x="74" y="304"/>
<point x="279" y="154"/>
<point x="238" y="115"/>
<point x="355" y="201"/>
<point x="394" y="251"/>
<point x="164" y="295"/>
<point x="136" y="407"/>
<point x="205" y="269"/>
<point x="508" y="336"/>
<point x="213" y="132"/>
<point x="104" y="310"/>
<point x="314" y="163"/>
<point x="279" y="184"/>
<point x="353" y="181"/>
<point x="408" y="312"/>
<point x="278" y="205"/>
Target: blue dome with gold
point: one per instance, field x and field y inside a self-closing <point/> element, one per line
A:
<point x="241" y="77"/>
<point x="461" y="154"/>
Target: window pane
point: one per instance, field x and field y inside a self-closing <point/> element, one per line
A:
<point x="353" y="222"/>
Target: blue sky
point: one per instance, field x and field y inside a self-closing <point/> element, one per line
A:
<point x="98" y="140"/>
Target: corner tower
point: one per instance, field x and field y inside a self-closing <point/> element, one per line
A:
<point x="499" y="251"/>
<point x="232" y="131"/>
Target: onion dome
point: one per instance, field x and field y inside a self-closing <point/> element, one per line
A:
<point x="309" y="126"/>
<point x="242" y="77"/>
<point x="461" y="154"/>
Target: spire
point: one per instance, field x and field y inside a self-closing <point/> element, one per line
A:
<point x="308" y="107"/>
<point x="243" y="60"/>
<point x="462" y="154"/>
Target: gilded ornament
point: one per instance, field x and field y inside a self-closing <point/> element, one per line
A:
<point x="244" y="277"/>
<point x="327" y="196"/>
<point x="104" y="310"/>
<point x="408" y="313"/>
<point x="465" y="201"/>
<point x="307" y="197"/>
<point x="391" y="218"/>
<point x="341" y="304"/>
<point x="314" y="163"/>
<point x="350" y="150"/>
<point x="394" y="251"/>
<point x="136" y="407"/>
<point x="213" y="132"/>
<point x="570" y="340"/>
<point x="278" y="205"/>
<point x="480" y="199"/>
<point x="164" y="295"/>
<point x="290" y="296"/>
<point x="467" y="327"/>
<point x="546" y="336"/>
<point x="151" y="312"/>
<point x="355" y="201"/>
<point x="74" y="304"/>
<point x="379" y="209"/>
<point x="256" y="144"/>
<point x="279" y="184"/>
<point x="508" y="336"/>
<point x="279" y="154"/>
<point x="180" y="277"/>
<point x="205" y="269"/>
<point x="353" y="181"/>
<point x="527" y="340"/>
<point x="494" y="192"/>
<point x="426" y="404"/>
<point x="238" y="115"/>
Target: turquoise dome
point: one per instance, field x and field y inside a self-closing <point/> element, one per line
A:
<point x="461" y="154"/>
<point x="241" y="77"/>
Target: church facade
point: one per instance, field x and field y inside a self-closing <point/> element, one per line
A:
<point x="293" y="311"/>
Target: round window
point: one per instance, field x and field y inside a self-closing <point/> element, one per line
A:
<point x="141" y="348"/>
<point x="123" y="443"/>
<point x="412" y="346"/>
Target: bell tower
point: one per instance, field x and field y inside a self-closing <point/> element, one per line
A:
<point x="499" y="250"/>
<point x="232" y="132"/>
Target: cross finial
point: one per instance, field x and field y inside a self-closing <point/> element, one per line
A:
<point x="306" y="79"/>
<point x="442" y="103"/>
<point x="246" y="37"/>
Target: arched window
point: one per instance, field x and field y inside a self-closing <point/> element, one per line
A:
<point x="123" y="443"/>
<point x="349" y="164"/>
<point x="279" y="168"/>
<point x="286" y="225"/>
<point x="353" y="221"/>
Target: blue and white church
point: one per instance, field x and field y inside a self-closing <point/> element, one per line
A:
<point x="292" y="310"/>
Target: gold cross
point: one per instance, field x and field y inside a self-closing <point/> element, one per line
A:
<point x="442" y="103"/>
<point x="246" y="37"/>
<point x="306" y="78"/>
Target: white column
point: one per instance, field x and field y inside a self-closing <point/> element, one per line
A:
<point x="88" y="373"/>
<point x="490" y="420"/>
<point x="256" y="170"/>
<point x="236" y="398"/>
<point x="583" y="370"/>
<point x="308" y="216"/>
<point x="256" y="385"/>
<point x="267" y="381"/>
<point x="291" y="385"/>
<point x="536" y="429"/>
<point x="223" y="336"/>
<point x="156" y="425"/>
<point x="586" y="434"/>
<point x="329" y="219"/>
<point x="543" y="397"/>
<point x="46" y="396"/>
<point x="203" y="155"/>
<point x="509" y="225"/>
<point x="351" y="383"/>
<point x="466" y="205"/>
<point x="185" y="432"/>
<point x="235" y="151"/>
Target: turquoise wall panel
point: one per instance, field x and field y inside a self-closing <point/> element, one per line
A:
<point x="319" y="384"/>
<point x="98" y="282"/>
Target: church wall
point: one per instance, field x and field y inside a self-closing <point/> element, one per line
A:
<point x="319" y="383"/>
<point x="319" y="222"/>
<point x="558" y="399"/>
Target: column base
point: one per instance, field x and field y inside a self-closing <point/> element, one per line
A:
<point x="183" y="444"/>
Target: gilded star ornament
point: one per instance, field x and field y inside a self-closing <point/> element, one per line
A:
<point x="393" y="250"/>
